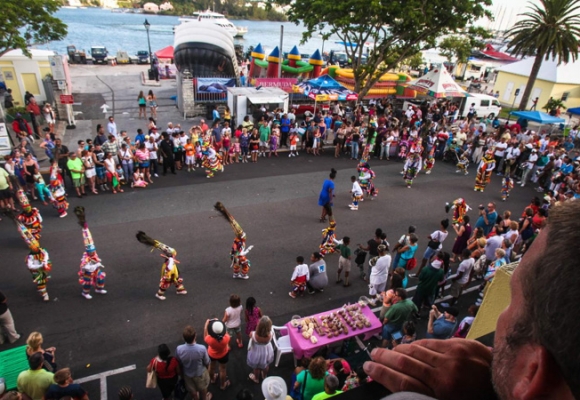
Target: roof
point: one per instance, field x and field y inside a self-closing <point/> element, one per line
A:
<point x="491" y="52"/>
<point x="549" y="71"/>
<point x="538" y="116"/>
<point x="36" y="53"/>
<point x="437" y="83"/>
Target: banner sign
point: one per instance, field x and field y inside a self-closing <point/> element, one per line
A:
<point x="214" y="85"/>
<point x="283" y="83"/>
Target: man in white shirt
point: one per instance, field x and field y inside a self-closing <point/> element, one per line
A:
<point x="292" y="117"/>
<point x="528" y="165"/>
<point x="151" y="145"/>
<point x="112" y="128"/>
<point x="460" y="138"/>
<point x="170" y="129"/>
<point x="510" y="157"/>
<point x="379" y="272"/>
<point x="500" y="148"/>
<point x="409" y="113"/>
<point x="462" y="277"/>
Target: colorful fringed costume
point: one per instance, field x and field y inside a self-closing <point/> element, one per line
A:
<point x="430" y="160"/>
<point x="91" y="270"/>
<point x="30" y="216"/>
<point x="366" y="176"/>
<point x="212" y="161"/>
<point x="486" y="166"/>
<point x="507" y="184"/>
<point x="169" y="271"/>
<point x="412" y="164"/>
<point x="58" y="193"/>
<point x="240" y="263"/>
<point x="328" y="244"/>
<point x="463" y="163"/>
<point x="460" y="208"/>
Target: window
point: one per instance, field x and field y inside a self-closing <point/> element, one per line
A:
<point x="565" y="96"/>
<point x="485" y="103"/>
<point x="496" y="103"/>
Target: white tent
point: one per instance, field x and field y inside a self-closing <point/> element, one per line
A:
<point x="437" y="83"/>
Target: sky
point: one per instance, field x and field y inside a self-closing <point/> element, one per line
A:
<point x="506" y="12"/>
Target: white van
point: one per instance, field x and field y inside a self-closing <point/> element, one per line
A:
<point x="485" y="105"/>
<point x="5" y="145"/>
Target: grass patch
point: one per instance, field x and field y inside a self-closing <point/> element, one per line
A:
<point x="505" y="112"/>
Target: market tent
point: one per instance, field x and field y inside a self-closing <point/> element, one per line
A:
<point x="437" y="83"/>
<point x="324" y="88"/>
<point x="575" y="111"/>
<point x="165" y="53"/>
<point x="538" y="116"/>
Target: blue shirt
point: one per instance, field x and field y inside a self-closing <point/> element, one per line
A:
<point x="285" y="125"/>
<point x="491" y="219"/>
<point x="328" y="122"/>
<point x="140" y="138"/>
<point x="566" y="168"/>
<point x="217" y="134"/>
<point x="326" y="193"/>
<point x="215" y="114"/>
<point x="193" y="359"/>
<point x="442" y="329"/>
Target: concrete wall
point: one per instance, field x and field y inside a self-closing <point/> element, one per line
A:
<point x="21" y="74"/>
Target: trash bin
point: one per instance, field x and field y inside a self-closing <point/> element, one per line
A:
<point x="151" y="74"/>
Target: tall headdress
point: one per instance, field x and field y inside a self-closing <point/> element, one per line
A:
<point x="155" y="244"/>
<point x="25" y="234"/>
<point x="20" y="194"/>
<point x="87" y="237"/>
<point x="238" y="231"/>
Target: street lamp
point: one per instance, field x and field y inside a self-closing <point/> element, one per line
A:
<point x="147" y="25"/>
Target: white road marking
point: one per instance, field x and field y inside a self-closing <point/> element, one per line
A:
<point x="103" y="378"/>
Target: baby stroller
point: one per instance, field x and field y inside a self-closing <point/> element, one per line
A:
<point x="360" y="257"/>
<point x="452" y="154"/>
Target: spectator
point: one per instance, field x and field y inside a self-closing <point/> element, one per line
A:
<point x="8" y="99"/>
<point x="112" y="127"/>
<point x="397" y="315"/>
<point x="463" y="234"/>
<point x="442" y="325"/>
<point x="35" y="381"/>
<point x="34" y="345"/>
<point x="372" y="248"/>
<point x="274" y="388"/>
<point x="429" y="280"/>
<point x="101" y="138"/>
<point x="379" y="271"/>
<point x="166" y="150"/>
<point x="435" y="244"/>
<point x="22" y="128"/>
<point x="77" y="171"/>
<point x="194" y="361"/>
<point x="340" y="368"/>
<point x="61" y="153"/>
<point x="64" y="387"/>
<point x="260" y="351"/>
<point x="6" y="200"/>
<point x="233" y="319"/>
<point x="218" y="349"/>
<point x="409" y="334"/>
<point x="465" y="324"/>
<point x="7" y="328"/>
<point x="111" y="146"/>
<point x="311" y="381"/>
<point x="463" y="276"/>
<point x="487" y="218"/>
<point x="389" y="295"/>
<point x="403" y="241"/>
<point x="331" y="385"/>
<point x="318" y="278"/>
<point x="252" y="315"/>
<point x="166" y="369"/>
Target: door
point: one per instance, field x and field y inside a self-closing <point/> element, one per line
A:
<point x="520" y="95"/>
<point x="30" y="82"/>
<point x="507" y="95"/>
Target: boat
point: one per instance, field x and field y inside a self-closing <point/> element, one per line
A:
<point x="218" y="19"/>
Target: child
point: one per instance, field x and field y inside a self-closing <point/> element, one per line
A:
<point x="344" y="260"/>
<point x="384" y="148"/>
<point x="120" y="175"/>
<point x="252" y="315"/>
<point x="357" y="193"/>
<point x="189" y="155"/>
<point x="463" y="163"/>
<point x="227" y="142"/>
<point x="300" y="276"/>
<point x="236" y="150"/>
<point x="293" y="141"/>
<point x="274" y="141"/>
<point x="390" y="140"/>
<point x="138" y="180"/>
<point x="245" y="145"/>
<point x="356" y="378"/>
<point x="197" y="154"/>
<point x="316" y="145"/>
<point x="233" y="319"/>
<point x="43" y="193"/>
<point x="507" y="184"/>
<point x="409" y="334"/>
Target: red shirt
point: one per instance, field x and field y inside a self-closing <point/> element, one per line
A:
<point x="217" y="349"/>
<point x="164" y="372"/>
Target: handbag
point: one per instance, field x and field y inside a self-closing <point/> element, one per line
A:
<point x="411" y="264"/>
<point x="433" y="244"/>
<point x="151" y="382"/>
<point x="180" y="390"/>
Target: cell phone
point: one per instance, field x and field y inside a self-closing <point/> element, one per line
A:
<point x="397" y="336"/>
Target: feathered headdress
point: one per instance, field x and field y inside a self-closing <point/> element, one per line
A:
<point x="147" y="241"/>
<point x="20" y="194"/>
<point x="25" y="234"/>
<point x="87" y="237"/>
<point x="238" y="231"/>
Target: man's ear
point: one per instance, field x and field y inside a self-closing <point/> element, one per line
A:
<point x="538" y="375"/>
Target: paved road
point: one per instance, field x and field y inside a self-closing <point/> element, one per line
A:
<point x="275" y="201"/>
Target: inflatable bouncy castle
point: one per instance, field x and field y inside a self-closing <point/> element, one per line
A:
<point x="293" y="67"/>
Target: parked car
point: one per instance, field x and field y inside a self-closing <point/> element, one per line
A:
<point x="99" y="54"/>
<point x="142" y="57"/>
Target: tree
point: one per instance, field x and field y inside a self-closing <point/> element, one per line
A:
<point x="396" y="29"/>
<point x="27" y="22"/>
<point x="414" y="61"/>
<point x="549" y="30"/>
<point x="552" y="106"/>
<point x="458" y="48"/>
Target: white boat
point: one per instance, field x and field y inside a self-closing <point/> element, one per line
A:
<point x="218" y="19"/>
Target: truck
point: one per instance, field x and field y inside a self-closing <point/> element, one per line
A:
<point x="122" y="57"/>
<point x="99" y="54"/>
<point x="76" y="56"/>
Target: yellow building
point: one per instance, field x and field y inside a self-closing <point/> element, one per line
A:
<point x="557" y="81"/>
<point x="22" y="74"/>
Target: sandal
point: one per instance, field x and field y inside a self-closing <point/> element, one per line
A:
<point x="240" y="343"/>
<point x="121" y="190"/>
<point x="214" y="378"/>
<point x="114" y="192"/>
<point x="253" y="378"/>
<point x="225" y="385"/>
<point x="208" y="396"/>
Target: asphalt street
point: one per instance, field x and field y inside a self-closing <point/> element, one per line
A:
<point x="275" y="201"/>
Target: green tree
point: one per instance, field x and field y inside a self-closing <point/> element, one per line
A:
<point x="458" y="48"/>
<point x="26" y="22"/>
<point x="415" y="61"/>
<point x="552" y="106"/>
<point x="397" y="29"/>
<point x="548" y="30"/>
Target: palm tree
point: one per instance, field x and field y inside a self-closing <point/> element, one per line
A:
<point x="549" y="30"/>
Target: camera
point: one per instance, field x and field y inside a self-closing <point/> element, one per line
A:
<point x="481" y="207"/>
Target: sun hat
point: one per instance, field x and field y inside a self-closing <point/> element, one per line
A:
<point x="216" y="329"/>
<point x="274" y="388"/>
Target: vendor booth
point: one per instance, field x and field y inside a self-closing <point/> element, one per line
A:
<point x="244" y="101"/>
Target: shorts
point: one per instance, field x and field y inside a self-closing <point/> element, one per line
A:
<point x="100" y="172"/>
<point x="255" y="151"/>
<point x="429" y="252"/>
<point x="292" y="147"/>
<point x="456" y="289"/>
<point x="80" y="182"/>
<point x="223" y="360"/>
<point x="89" y="173"/>
<point x="197" y="383"/>
<point x="5" y="194"/>
<point x="144" y="165"/>
<point x="344" y="264"/>
<point x="328" y="209"/>
<point x="234" y="331"/>
<point x="142" y="106"/>
<point x="263" y="143"/>
<point x="190" y="159"/>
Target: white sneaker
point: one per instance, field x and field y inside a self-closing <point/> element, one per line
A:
<point x="100" y="291"/>
<point x="159" y="297"/>
<point x="45" y="297"/>
<point x="428" y="172"/>
<point x="155" y="175"/>
<point x="523" y="184"/>
<point x="289" y="155"/>
<point x="354" y="208"/>
<point x="457" y="171"/>
<point x="86" y="296"/>
<point x="236" y="276"/>
<point x="182" y="292"/>
<point x="242" y="276"/>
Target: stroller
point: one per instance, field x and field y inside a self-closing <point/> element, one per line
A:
<point x="452" y="154"/>
<point x="360" y="257"/>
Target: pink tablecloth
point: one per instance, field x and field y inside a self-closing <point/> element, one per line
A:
<point x="304" y="347"/>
